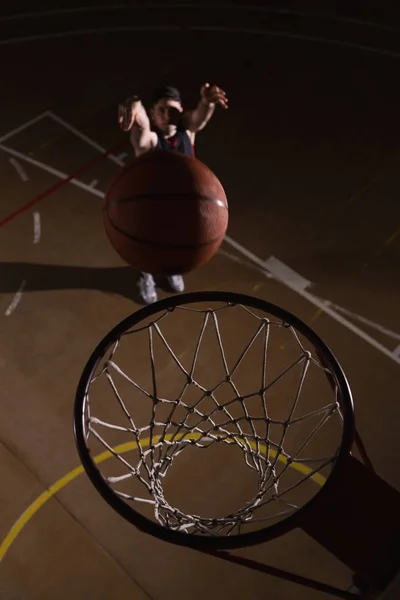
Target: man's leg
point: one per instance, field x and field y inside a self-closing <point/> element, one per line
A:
<point x="176" y="283"/>
<point x="147" y="288"/>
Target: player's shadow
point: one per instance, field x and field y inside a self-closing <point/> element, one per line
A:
<point x="42" y="277"/>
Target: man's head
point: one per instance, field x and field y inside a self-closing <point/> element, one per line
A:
<point x="166" y="109"/>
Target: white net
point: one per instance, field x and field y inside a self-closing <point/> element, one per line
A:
<point x="215" y="420"/>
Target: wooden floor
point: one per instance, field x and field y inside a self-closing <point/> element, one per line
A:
<point x="308" y="153"/>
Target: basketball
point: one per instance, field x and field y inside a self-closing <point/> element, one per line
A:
<point x="166" y="213"/>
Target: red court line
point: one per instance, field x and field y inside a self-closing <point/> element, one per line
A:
<point x="58" y="185"/>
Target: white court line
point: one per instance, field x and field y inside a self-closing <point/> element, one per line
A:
<point x="96" y="31"/>
<point x="282" y="271"/>
<point x="244" y="263"/>
<point x="194" y="6"/>
<point x="49" y="169"/>
<point x="285" y="273"/>
<point x="208" y="29"/>
<point x="321" y="304"/>
<point x="37" y="228"/>
<point x="293" y="36"/>
<point x="20" y="169"/>
<point x="85" y="138"/>
<point x="368" y="322"/>
<point x="16" y="300"/>
<point x="93" y="183"/>
<point x="22" y="127"/>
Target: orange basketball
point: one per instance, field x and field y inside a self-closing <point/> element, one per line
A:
<point x="166" y="213"/>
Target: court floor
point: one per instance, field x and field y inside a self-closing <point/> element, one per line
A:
<point x="308" y="153"/>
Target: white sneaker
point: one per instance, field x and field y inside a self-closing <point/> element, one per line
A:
<point x="176" y="283"/>
<point x="147" y="288"/>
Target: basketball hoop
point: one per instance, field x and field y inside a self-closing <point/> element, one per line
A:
<point x="213" y="389"/>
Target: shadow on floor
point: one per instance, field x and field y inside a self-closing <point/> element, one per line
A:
<point x="42" y="277"/>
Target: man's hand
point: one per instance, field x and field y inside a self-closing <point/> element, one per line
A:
<point x="212" y="94"/>
<point x="127" y="112"/>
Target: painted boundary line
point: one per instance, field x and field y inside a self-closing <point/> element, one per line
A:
<point x="182" y="5"/>
<point x="273" y="266"/>
<point x="207" y="29"/>
<point x="85" y="138"/>
<point x="324" y="305"/>
<point x="17" y="130"/>
<point x="64" y="180"/>
<point x="123" y="448"/>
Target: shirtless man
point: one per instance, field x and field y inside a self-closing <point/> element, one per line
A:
<point x="167" y="127"/>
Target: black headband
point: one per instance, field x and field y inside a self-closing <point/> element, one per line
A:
<point x="165" y="91"/>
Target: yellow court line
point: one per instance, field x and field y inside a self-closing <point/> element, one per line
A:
<point x="316" y="315"/>
<point x="33" y="508"/>
<point x="392" y="238"/>
<point x="381" y="250"/>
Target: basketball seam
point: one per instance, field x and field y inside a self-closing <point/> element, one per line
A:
<point x="181" y="197"/>
<point x="163" y="244"/>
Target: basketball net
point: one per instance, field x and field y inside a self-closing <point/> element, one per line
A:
<point x="287" y="444"/>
